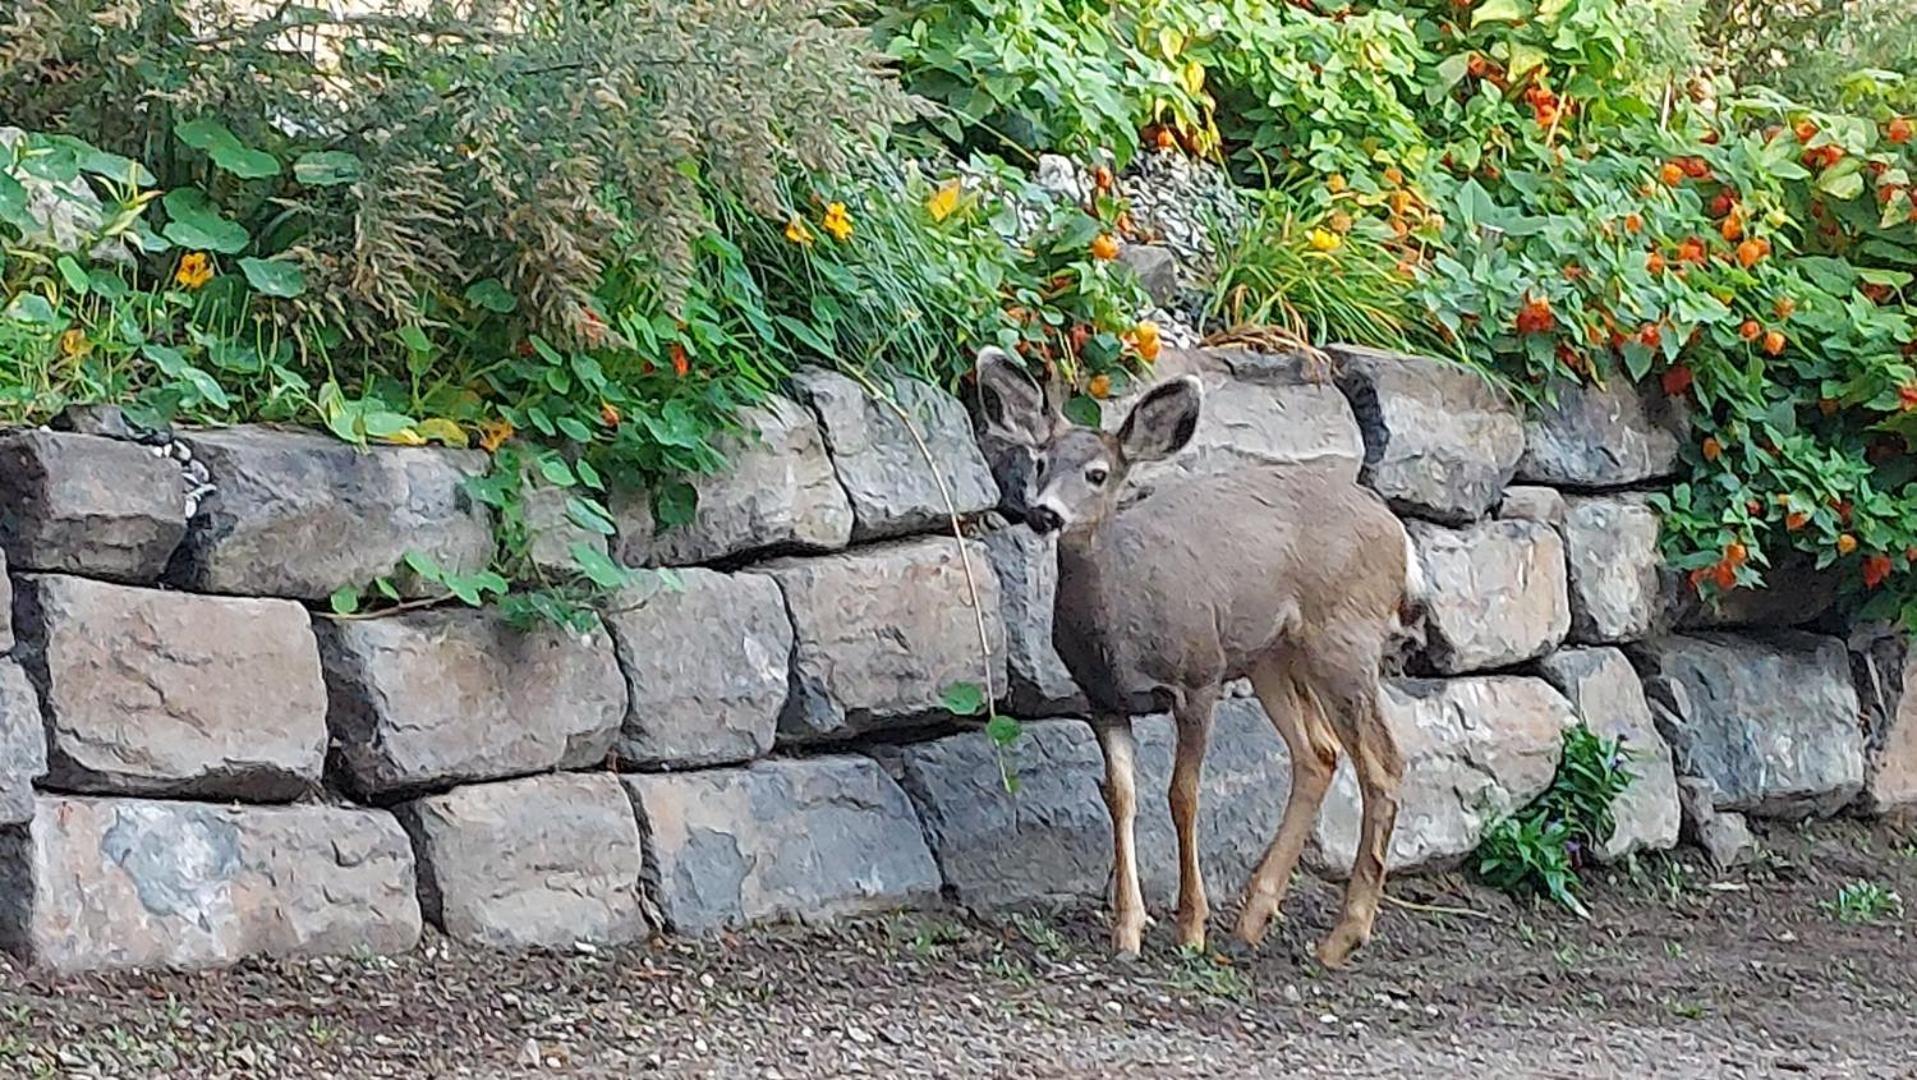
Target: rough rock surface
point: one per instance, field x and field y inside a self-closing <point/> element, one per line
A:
<point x="1884" y="671"/>
<point x="1605" y="693"/>
<point x="118" y="883"/>
<point x="300" y="514"/>
<point x="1474" y="749"/>
<point x="1497" y="593"/>
<point x="1723" y="834"/>
<point x="810" y="838"/>
<point x="706" y="665"/>
<point x="1258" y="409"/>
<point x="23" y="745"/>
<point x="777" y="493"/>
<point x="893" y="490"/>
<point x="1772" y="722"/>
<point x="554" y="532"/>
<point x="1052" y="839"/>
<point x="161" y="693"/>
<point x="447" y="697"/>
<point x="1610" y="549"/>
<point x="1440" y="441"/>
<point x="1546" y="506"/>
<point x="1026" y="565"/>
<point x="1602" y="438"/>
<point x="883" y="632"/>
<point x="1157" y="270"/>
<point x="85" y="505"/>
<point x="540" y="862"/>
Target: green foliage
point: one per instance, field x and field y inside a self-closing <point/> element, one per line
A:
<point x="1864" y="902"/>
<point x="1537" y="851"/>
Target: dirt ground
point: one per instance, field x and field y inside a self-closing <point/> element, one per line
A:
<point x="1679" y="973"/>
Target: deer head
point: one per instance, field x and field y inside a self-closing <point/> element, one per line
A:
<point x="1066" y="476"/>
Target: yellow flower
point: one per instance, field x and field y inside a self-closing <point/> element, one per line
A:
<point x="1323" y="240"/>
<point x="1336" y="183"/>
<point x="944" y="201"/>
<point x="797" y="232"/>
<point x="74" y="344"/>
<point x="837" y="222"/>
<point x="196" y="269"/>
<point x="494" y="433"/>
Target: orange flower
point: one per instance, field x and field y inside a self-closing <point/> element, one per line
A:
<point x="1899" y="130"/>
<point x="1907" y="397"/>
<point x="1393" y="176"/>
<point x="681" y="363"/>
<point x="1751" y="252"/>
<point x="837" y="222"/>
<point x="1732" y="228"/>
<point x="1672" y="174"/>
<point x="1148" y="341"/>
<point x="1102" y="178"/>
<point x="1876" y="569"/>
<point x="1774" y="342"/>
<point x="1691" y="250"/>
<point x="1725" y="576"/>
<point x="608" y="414"/>
<point x="1105" y="246"/>
<point x="1339" y="221"/>
<point x="1737" y="554"/>
<point x="494" y="433"/>
<point x="74" y="344"/>
<point x="1100" y="386"/>
<point x="1713" y="449"/>
<point x="1750" y="331"/>
<point x="1535" y="316"/>
<point x="1677" y="380"/>
<point x="1784" y="307"/>
<point x="1796" y="520"/>
<point x="1846" y="543"/>
<point x="195" y="270"/>
<point x="1633" y="224"/>
<point x="1654" y="262"/>
<point x="1336" y="183"/>
<point x="1804" y="130"/>
<point x="1695" y="167"/>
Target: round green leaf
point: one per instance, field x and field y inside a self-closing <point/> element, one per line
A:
<point x="271" y="277"/>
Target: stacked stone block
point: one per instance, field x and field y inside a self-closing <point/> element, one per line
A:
<point x="200" y="763"/>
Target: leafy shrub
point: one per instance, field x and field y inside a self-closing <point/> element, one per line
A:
<point x="1538" y="850"/>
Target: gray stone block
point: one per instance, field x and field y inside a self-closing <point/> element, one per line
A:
<point x="95" y="884"/>
<point x="147" y="692"/>
<point x="1611" y="552"/>
<point x="883" y="632"/>
<point x="299" y="514"/>
<point x="442" y="697"/>
<point x="1605" y="693"/>
<point x="1440" y="441"/>
<point x="540" y="862"/>
<point x="1026" y="565"/>
<point x="23" y="745"/>
<point x="85" y="505"/>
<point x="893" y="489"/>
<point x="1771" y="721"/>
<point x="1603" y="437"/>
<point x="1497" y="594"/>
<point x="707" y="668"/>
<point x="808" y="839"/>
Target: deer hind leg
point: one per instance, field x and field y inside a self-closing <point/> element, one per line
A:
<point x="1314" y="758"/>
<point x="1121" y="799"/>
<point x="1193" y="717"/>
<point x="1380" y="769"/>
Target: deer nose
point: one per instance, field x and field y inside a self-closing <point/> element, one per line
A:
<point x="1043" y="519"/>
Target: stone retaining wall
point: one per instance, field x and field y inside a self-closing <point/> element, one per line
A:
<point x="199" y="763"/>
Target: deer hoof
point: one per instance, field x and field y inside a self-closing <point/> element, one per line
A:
<point x="1127" y="938"/>
<point x="1252" y="928"/>
<point x="1336" y="949"/>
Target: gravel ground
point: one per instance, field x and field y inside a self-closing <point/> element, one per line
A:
<point x="1679" y="973"/>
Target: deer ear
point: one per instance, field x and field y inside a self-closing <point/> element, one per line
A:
<point x="1163" y="421"/>
<point x="1012" y="405"/>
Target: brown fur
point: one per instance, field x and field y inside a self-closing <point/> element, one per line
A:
<point x="1293" y="577"/>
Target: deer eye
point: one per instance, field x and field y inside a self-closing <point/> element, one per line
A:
<point x="1095" y="475"/>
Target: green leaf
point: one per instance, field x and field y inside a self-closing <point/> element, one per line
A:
<point x="380" y="424"/>
<point x="274" y="277"/>
<point x="1083" y="411"/>
<point x="414" y="338"/>
<point x="590" y="516"/>
<point x="557" y="472"/>
<point x="1497" y="11"/>
<point x="598" y="567"/>
<point x="13" y="202"/>
<point x="196" y="223"/>
<point x="327" y="168"/>
<point x="574" y="430"/>
<point x="226" y="149"/>
<point x="345" y="600"/>
<point x="75" y="277"/>
<point x="1003" y="730"/>
<point x="33" y="309"/>
<point x="963" y="699"/>
<point x="674" y="504"/>
<point x="489" y="294"/>
<point x="588" y="475"/>
<point x="424" y="565"/>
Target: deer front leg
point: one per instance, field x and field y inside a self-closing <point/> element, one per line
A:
<point x="1380" y="768"/>
<point x="1121" y="798"/>
<point x="1193" y="717"/>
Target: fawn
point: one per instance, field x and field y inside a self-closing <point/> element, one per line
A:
<point x="1296" y="578"/>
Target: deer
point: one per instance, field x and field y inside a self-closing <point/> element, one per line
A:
<point x="1293" y="577"/>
